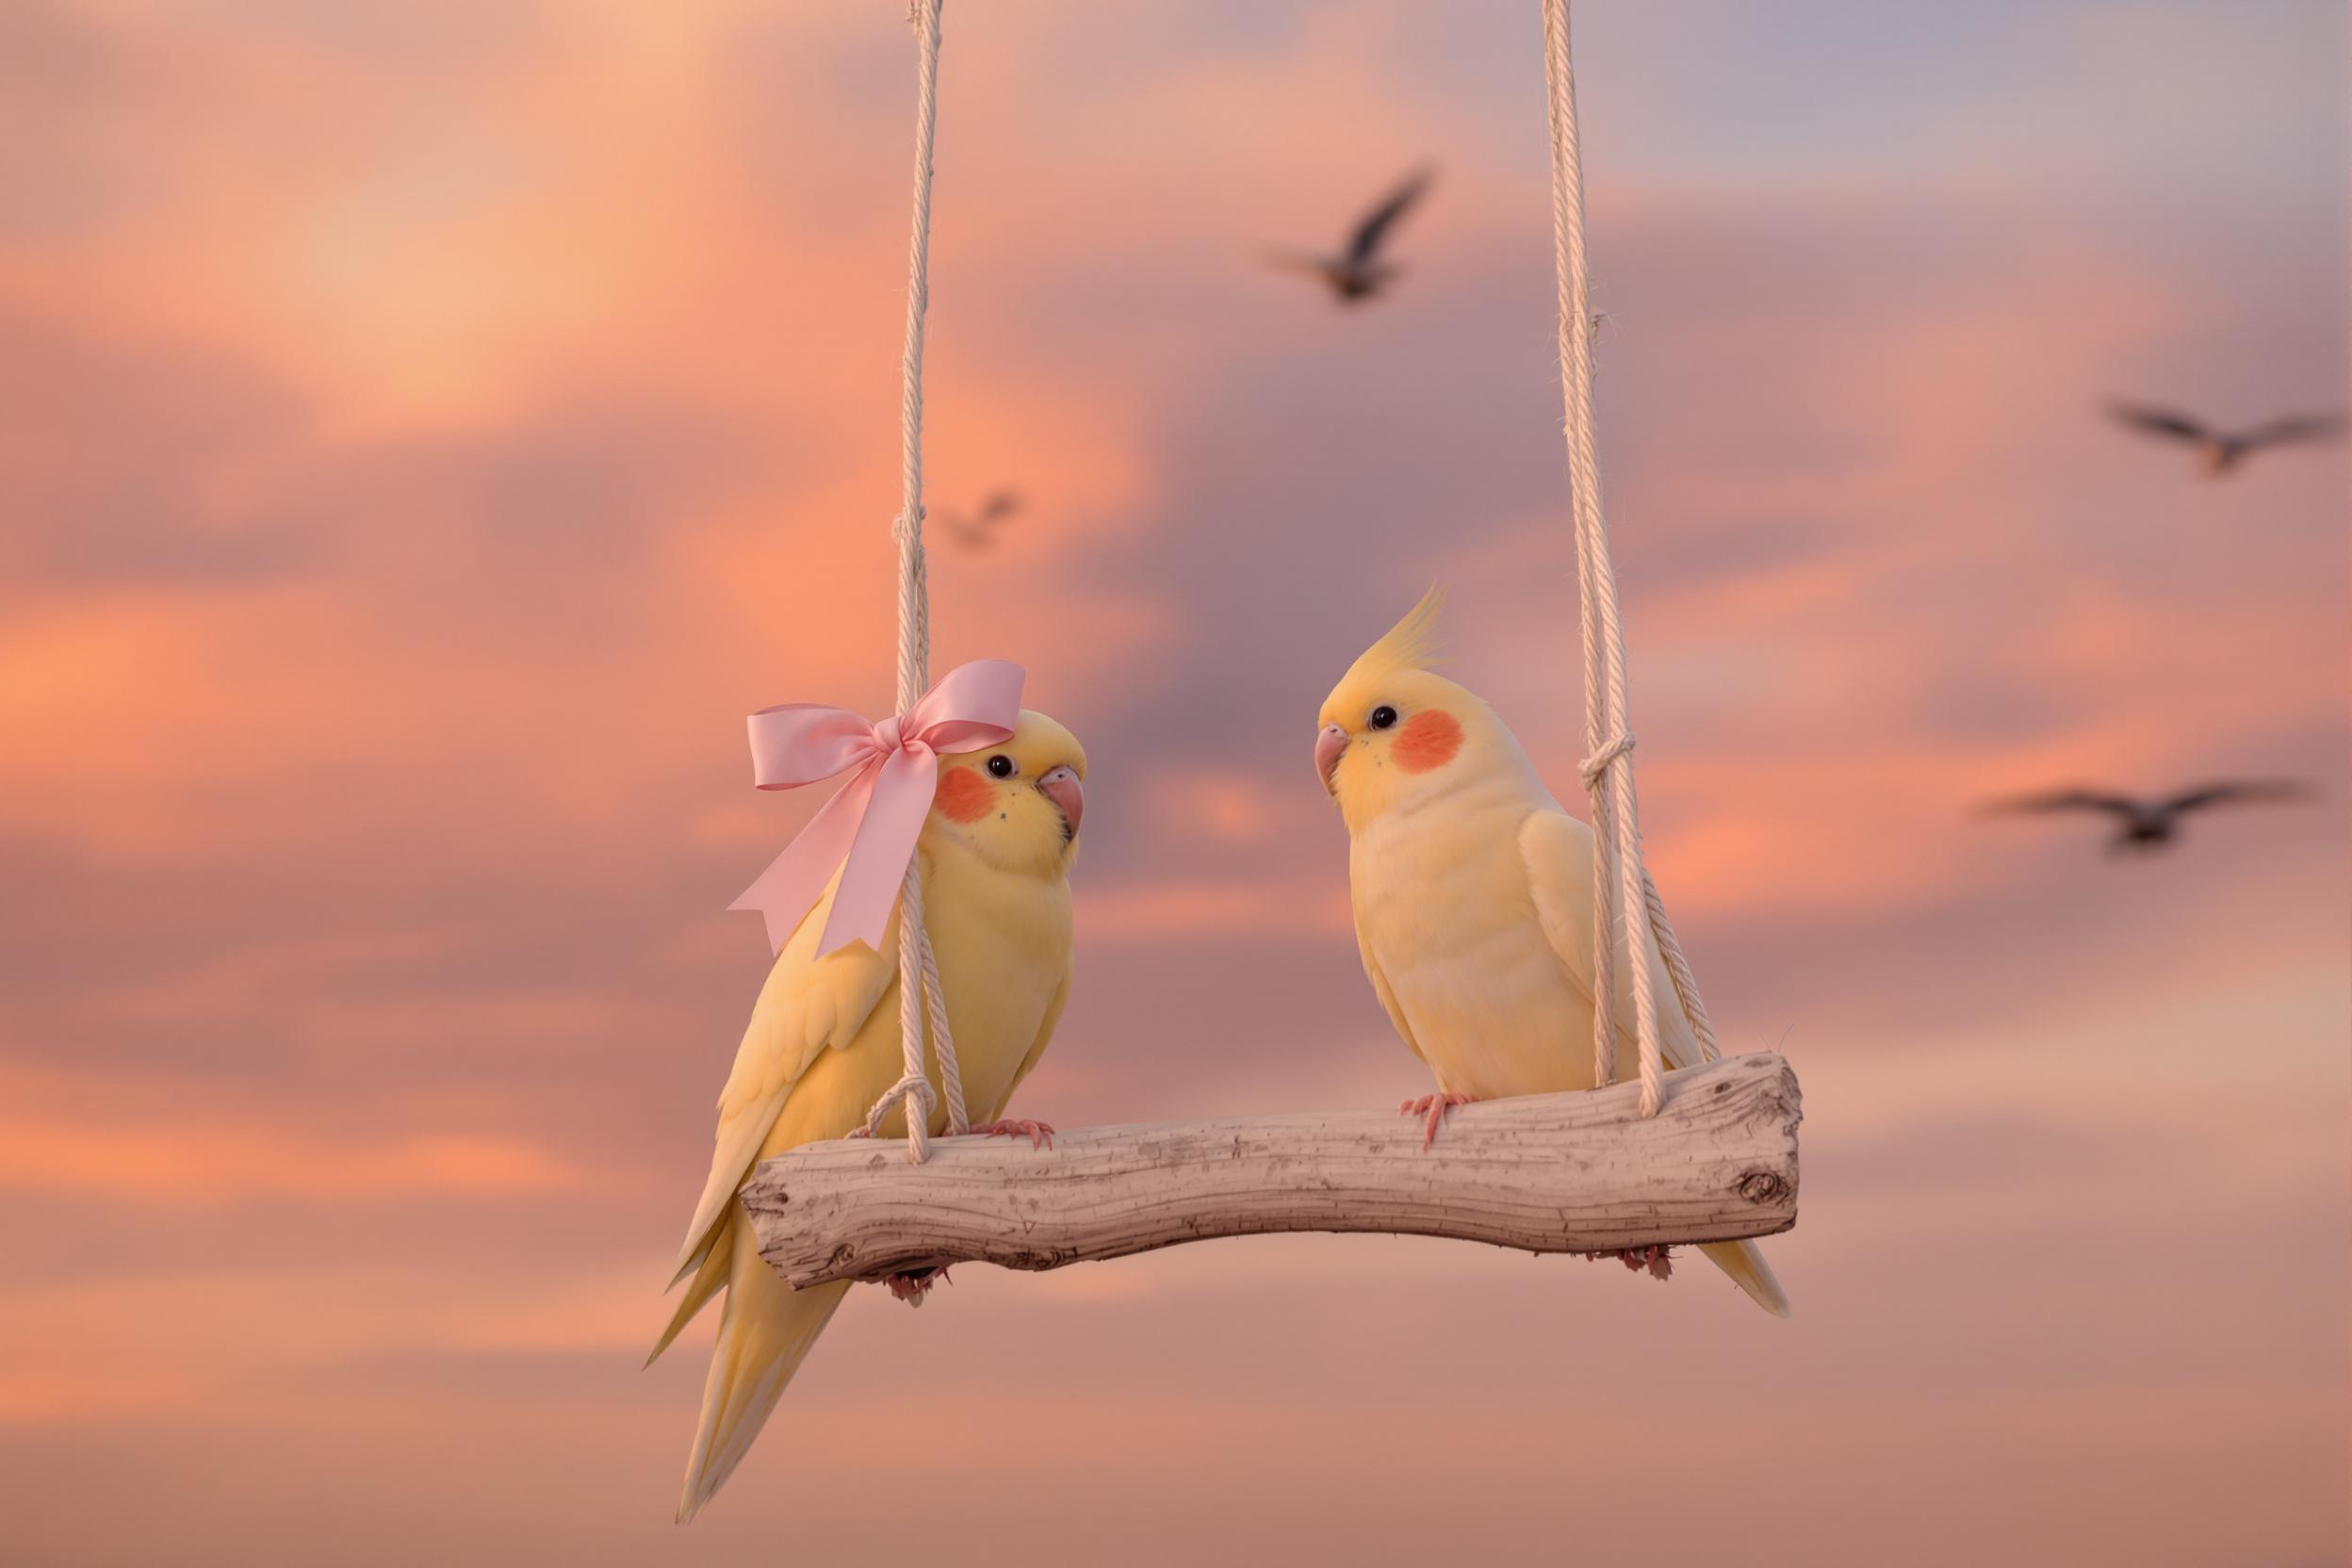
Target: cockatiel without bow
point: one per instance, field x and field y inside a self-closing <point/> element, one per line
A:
<point x="1473" y="895"/>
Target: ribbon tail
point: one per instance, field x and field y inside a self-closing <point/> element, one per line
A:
<point x="900" y="798"/>
<point x="794" y="880"/>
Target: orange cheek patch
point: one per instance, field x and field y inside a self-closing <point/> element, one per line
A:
<point x="1428" y="740"/>
<point x="963" y="795"/>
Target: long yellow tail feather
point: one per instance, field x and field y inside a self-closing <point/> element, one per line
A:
<point x="765" y="1332"/>
<point x="1745" y="1264"/>
<point x="709" y="1276"/>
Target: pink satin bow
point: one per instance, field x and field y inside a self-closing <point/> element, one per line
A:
<point x="870" y="825"/>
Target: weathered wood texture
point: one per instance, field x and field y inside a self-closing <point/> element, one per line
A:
<point x="1549" y="1173"/>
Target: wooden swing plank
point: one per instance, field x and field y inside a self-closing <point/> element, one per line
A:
<point x="1545" y="1173"/>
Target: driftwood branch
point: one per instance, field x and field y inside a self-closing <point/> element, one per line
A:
<point x="1548" y="1173"/>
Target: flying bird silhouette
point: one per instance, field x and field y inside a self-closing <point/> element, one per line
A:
<point x="2219" y="450"/>
<point x="978" y="532"/>
<point x="1359" y="273"/>
<point x="2152" y="824"/>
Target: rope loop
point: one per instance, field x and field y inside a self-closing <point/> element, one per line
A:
<point x="1594" y="767"/>
<point x="916" y="1092"/>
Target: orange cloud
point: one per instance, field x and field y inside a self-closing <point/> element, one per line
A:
<point x="221" y="1163"/>
<point x="66" y="1135"/>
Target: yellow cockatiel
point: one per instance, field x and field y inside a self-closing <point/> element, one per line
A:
<point x="1473" y="895"/>
<point x="824" y="1044"/>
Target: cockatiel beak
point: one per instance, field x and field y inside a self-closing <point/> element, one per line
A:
<point x="1329" y="747"/>
<point x="1062" y="787"/>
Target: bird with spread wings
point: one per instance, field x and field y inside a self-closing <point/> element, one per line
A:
<point x="2151" y="824"/>
<point x="1359" y="273"/>
<point x="2221" y="452"/>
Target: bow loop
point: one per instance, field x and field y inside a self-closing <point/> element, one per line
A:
<point x="867" y="829"/>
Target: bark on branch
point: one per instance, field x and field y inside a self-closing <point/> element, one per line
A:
<point x="1546" y="1173"/>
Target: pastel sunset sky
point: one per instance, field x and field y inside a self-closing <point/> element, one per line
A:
<point x="426" y="427"/>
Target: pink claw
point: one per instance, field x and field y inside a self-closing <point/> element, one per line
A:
<point x="1657" y="1262"/>
<point x="1433" y="1108"/>
<point x="1040" y="1134"/>
<point x="912" y="1288"/>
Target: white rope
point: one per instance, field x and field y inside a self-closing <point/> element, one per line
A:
<point x="1620" y="883"/>
<point x="1678" y="969"/>
<point x="919" y="989"/>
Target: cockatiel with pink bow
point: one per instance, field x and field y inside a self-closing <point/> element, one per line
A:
<point x="1473" y="896"/>
<point x="995" y="851"/>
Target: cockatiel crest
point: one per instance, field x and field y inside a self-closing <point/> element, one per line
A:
<point x="1412" y="644"/>
<point x="1395" y="733"/>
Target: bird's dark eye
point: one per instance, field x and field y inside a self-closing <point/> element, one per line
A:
<point x="1383" y="717"/>
<point x="1000" y="766"/>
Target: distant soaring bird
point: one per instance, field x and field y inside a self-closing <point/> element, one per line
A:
<point x="978" y="532"/>
<point x="1359" y="274"/>
<point x="2151" y="824"/>
<point x="2220" y="450"/>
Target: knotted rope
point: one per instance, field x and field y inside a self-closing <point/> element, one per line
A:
<point x="919" y="990"/>
<point x="1620" y="882"/>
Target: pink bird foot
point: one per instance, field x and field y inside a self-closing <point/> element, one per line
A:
<point x="1657" y="1262"/>
<point x="912" y="1288"/>
<point x="1040" y="1134"/>
<point x="1433" y="1109"/>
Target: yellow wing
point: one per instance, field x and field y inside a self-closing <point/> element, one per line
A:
<point x="1559" y="852"/>
<point x="807" y="1004"/>
<point x="1045" y="1038"/>
<point x="1387" y="998"/>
